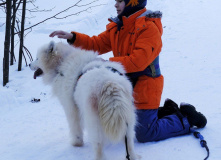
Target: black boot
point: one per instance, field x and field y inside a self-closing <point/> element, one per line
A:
<point x="169" y="107"/>
<point x="195" y="118"/>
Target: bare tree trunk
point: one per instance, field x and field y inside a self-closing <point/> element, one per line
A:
<point x="13" y="32"/>
<point x="7" y="44"/>
<point x="22" y="36"/>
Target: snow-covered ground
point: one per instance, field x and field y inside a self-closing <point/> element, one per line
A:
<point x="190" y="62"/>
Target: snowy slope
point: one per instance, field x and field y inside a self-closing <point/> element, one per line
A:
<point x="190" y="62"/>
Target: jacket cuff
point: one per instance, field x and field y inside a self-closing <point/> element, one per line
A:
<point x="72" y="40"/>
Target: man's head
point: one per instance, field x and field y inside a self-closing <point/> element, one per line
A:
<point x="128" y="7"/>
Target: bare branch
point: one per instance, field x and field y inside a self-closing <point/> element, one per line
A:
<point x="16" y="9"/>
<point x="85" y="10"/>
<point x="55" y="16"/>
<point x="28" y="32"/>
<point x="37" y="10"/>
<point x="28" y="53"/>
<point x="24" y="58"/>
<point x="2" y="4"/>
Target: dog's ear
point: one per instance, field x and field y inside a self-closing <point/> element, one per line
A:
<point x="51" y="47"/>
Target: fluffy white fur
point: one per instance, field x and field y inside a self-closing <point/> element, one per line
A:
<point x="101" y="99"/>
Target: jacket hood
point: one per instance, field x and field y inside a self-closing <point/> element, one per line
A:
<point x="154" y="16"/>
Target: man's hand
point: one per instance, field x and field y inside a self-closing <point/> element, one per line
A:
<point x="61" y="34"/>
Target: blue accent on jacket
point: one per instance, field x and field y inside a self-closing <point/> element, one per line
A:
<point x="153" y="70"/>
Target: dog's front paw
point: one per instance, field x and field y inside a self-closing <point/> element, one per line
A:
<point x="77" y="142"/>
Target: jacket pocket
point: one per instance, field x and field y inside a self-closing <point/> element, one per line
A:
<point x="147" y="92"/>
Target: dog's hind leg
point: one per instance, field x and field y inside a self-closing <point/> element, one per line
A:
<point x="98" y="143"/>
<point x="96" y="136"/>
<point x="93" y="125"/>
<point x="99" y="151"/>
<point x="130" y="143"/>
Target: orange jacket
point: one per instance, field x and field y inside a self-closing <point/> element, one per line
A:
<point x="135" y="46"/>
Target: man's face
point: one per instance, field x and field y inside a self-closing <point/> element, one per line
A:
<point x="120" y="5"/>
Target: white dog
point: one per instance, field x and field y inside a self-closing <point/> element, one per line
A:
<point x="90" y="90"/>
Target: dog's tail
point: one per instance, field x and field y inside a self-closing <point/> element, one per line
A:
<point x="116" y="110"/>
